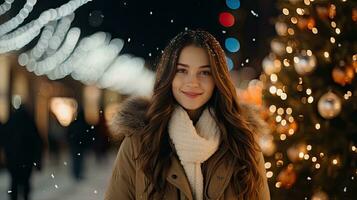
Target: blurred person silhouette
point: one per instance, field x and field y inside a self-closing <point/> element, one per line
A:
<point x="23" y="148"/>
<point x="101" y="143"/>
<point x="79" y="138"/>
<point x="56" y="137"/>
<point x="1" y="145"/>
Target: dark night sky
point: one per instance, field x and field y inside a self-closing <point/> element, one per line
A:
<point x="132" y="19"/>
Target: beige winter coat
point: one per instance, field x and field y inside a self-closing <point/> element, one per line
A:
<point x="128" y="180"/>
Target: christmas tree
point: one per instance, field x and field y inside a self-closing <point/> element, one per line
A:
<point x="310" y="90"/>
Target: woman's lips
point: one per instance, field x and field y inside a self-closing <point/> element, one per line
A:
<point x="191" y="94"/>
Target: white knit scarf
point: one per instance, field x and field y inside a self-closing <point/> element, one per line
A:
<point x="194" y="145"/>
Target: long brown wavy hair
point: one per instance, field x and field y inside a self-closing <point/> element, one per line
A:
<point x="155" y="150"/>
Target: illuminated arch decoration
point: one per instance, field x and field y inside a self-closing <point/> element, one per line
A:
<point x="60" y="51"/>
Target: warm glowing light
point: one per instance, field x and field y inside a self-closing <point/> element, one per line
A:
<point x="300" y="11"/>
<point x="289" y="49"/>
<point x="286" y="62"/>
<point x="279" y="92"/>
<point x="64" y="109"/>
<point x="284" y="96"/>
<point x="280" y="111"/>
<point x="274" y="78"/>
<point x="317" y="126"/>
<point x="267" y="165"/>
<point x="282" y="137"/>
<point x="326" y="54"/>
<point x="314" y="159"/>
<point x="332" y="40"/>
<point x="291" y="31"/>
<point x="310" y="99"/>
<point x="333" y="24"/>
<point x="289" y="111"/>
<point x="283" y="122"/>
<point x="285" y="11"/>
<point x="338" y="31"/>
<point x="335" y="161"/>
<point x="272" y="108"/>
<point x="272" y="89"/>
<point x="291" y="131"/>
<point x="309" y="147"/>
<point x="308" y="91"/>
<point x="317" y="166"/>
<point x="291" y="119"/>
<point x="293" y="20"/>
<point x="269" y="174"/>
<point x="301" y="154"/>
<point x="309" y="52"/>
<point x="296" y="59"/>
<point x="314" y="30"/>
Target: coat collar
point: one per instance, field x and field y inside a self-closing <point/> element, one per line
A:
<point x="131" y="118"/>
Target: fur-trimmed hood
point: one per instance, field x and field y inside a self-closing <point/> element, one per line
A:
<point x="130" y="118"/>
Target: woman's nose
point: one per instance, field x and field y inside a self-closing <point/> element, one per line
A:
<point x="192" y="79"/>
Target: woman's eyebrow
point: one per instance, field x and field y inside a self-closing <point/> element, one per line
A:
<point x="186" y="65"/>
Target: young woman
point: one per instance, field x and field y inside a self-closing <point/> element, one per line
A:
<point x="192" y="139"/>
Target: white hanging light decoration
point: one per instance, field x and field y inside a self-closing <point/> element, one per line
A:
<point x="32" y="29"/>
<point x="93" y="60"/>
<point x="6" y="6"/>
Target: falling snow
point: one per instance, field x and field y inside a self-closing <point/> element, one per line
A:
<point x="254" y="13"/>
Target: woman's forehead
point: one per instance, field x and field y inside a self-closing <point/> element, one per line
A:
<point x="194" y="56"/>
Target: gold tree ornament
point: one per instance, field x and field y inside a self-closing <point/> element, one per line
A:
<point x="304" y="64"/>
<point x="287" y="177"/>
<point x="354" y="14"/>
<point x="271" y="64"/>
<point x="296" y="152"/>
<point x="281" y="28"/>
<point x="344" y="75"/>
<point x="277" y="47"/>
<point x="329" y="105"/>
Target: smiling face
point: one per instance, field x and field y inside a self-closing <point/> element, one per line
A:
<point x="193" y="84"/>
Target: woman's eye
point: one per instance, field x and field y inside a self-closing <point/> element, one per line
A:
<point x="206" y="73"/>
<point x="180" y="70"/>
